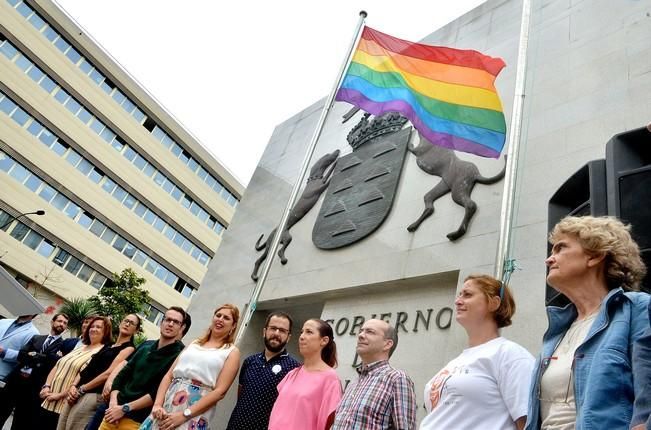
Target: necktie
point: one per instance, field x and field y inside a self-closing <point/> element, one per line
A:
<point x="47" y="343"/>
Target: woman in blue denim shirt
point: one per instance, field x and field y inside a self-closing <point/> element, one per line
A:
<point x="583" y="378"/>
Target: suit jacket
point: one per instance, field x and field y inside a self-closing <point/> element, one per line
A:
<point x="12" y="343"/>
<point x="38" y="360"/>
<point x="69" y="344"/>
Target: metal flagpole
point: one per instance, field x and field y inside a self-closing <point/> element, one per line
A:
<point x="503" y="263"/>
<point x="255" y="295"/>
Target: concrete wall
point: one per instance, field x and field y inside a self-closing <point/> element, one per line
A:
<point x="589" y="78"/>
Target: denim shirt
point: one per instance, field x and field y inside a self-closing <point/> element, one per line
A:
<point x="642" y="376"/>
<point x="602" y="374"/>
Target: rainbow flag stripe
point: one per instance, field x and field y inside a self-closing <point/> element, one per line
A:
<point x="448" y="94"/>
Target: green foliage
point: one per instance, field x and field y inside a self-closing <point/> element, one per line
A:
<point x="121" y="296"/>
<point x="77" y="310"/>
<point x="139" y="338"/>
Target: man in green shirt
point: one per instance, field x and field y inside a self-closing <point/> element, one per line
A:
<point x="135" y="387"/>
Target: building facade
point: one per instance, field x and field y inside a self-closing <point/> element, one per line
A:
<point x="122" y="183"/>
<point x="589" y="78"/>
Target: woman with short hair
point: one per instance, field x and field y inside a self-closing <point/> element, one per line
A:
<point x="485" y="387"/>
<point x="584" y="378"/>
<point x="308" y="395"/>
<point x="55" y="390"/>
<point x="85" y="393"/>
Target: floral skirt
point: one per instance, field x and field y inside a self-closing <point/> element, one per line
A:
<point x="181" y="394"/>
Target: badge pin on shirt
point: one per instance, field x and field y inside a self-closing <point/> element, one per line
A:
<point x="276" y="368"/>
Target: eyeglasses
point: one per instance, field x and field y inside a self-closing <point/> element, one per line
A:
<point x="558" y="400"/>
<point x="129" y="322"/>
<point x="172" y="321"/>
<point x="273" y="328"/>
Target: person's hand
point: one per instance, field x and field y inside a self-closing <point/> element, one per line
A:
<point x="73" y="395"/>
<point x="158" y="412"/>
<point x="106" y="393"/>
<point x="114" y="414"/>
<point x="55" y="397"/>
<point x="44" y="392"/>
<point x="172" y="421"/>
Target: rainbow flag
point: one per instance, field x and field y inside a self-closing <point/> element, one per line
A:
<point x="448" y="94"/>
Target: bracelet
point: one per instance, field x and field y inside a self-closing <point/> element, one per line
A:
<point x="80" y="390"/>
<point x="46" y="386"/>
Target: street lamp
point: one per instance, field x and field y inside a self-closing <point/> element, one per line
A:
<point x="12" y="218"/>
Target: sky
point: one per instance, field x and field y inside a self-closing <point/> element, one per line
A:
<point x="231" y="71"/>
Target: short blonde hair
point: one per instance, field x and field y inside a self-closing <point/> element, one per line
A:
<point x="491" y="288"/>
<point x="608" y="236"/>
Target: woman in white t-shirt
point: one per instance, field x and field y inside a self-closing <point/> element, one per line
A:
<point x="199" y="378"/>
<point x="487" y="386"/>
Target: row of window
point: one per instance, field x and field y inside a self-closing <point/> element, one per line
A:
<point x="97" y="126"/>
<point x="35" y="184"/>
<point x="89" y="170"/>
<point x="47" y="249"/>
<point x="128" y="105"/>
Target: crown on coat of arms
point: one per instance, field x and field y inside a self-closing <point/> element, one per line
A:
<point x="366" y="130"/>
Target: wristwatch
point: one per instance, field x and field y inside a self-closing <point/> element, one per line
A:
<point x="126" y="408"/>
<point x="187" y="413"/>
<point x="81" y="391"/>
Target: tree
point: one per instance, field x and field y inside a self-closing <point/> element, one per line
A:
<point x="77" y="310"/>
<point x="121" y="296"/>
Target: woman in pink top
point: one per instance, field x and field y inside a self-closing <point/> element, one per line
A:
<point x="309" y="394"/>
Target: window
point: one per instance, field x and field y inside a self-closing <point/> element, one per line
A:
<point x="35" y="128"/>
<point x="159" y="224"/>
<point x="20" y="116"/>
<point x="47" y="193"/>
<point x="85" y="220"/>
<point x="140" y="209"/>
<point x="129" y="250"/>
<point x="108" y="185"/>
<point x="139" y="258"/>
<point x="98" y="280"/>
<point x="72" y="210"/>
<point x="59" y="201"/>
<point x="187" y="291"/>
<point x="72" y="157"/>
<point x="48" y="84"/>
<point x="33" y="239"/>
<point x="84" y="167"/>
<point x="4" y="220"/>
<point x="97" y="228"/>
<point x="119" y="193"/>
<point x="73" y="265"/>
<point x="96" y="175"/>
<point x="61" y="258"/>
<point x="46" y="248"/>
<point x="33" y="183"/>
<point x="129" y="201"/>
<point x="108" y="236"/>
<point x="119" y="243"/>
<point x="85" y="273"/>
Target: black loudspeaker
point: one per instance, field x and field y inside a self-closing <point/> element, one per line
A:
<point x="628" y="166"/>
<point x="583" y="193"/>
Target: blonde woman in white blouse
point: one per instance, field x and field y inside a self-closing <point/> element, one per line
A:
<point x="199" y="378"/>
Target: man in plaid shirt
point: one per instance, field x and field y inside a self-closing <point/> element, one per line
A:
<point x="383" y="397"/>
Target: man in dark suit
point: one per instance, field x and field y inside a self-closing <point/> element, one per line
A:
<point x="35" y="359"/>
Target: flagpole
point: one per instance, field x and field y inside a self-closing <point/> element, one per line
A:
<point x="503" y="264"/>
<point x="255" y="295"/>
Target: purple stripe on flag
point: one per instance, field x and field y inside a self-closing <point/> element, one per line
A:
<point x="442" y="139"/>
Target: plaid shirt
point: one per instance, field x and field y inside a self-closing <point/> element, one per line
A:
<point x="381" y="399"/>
